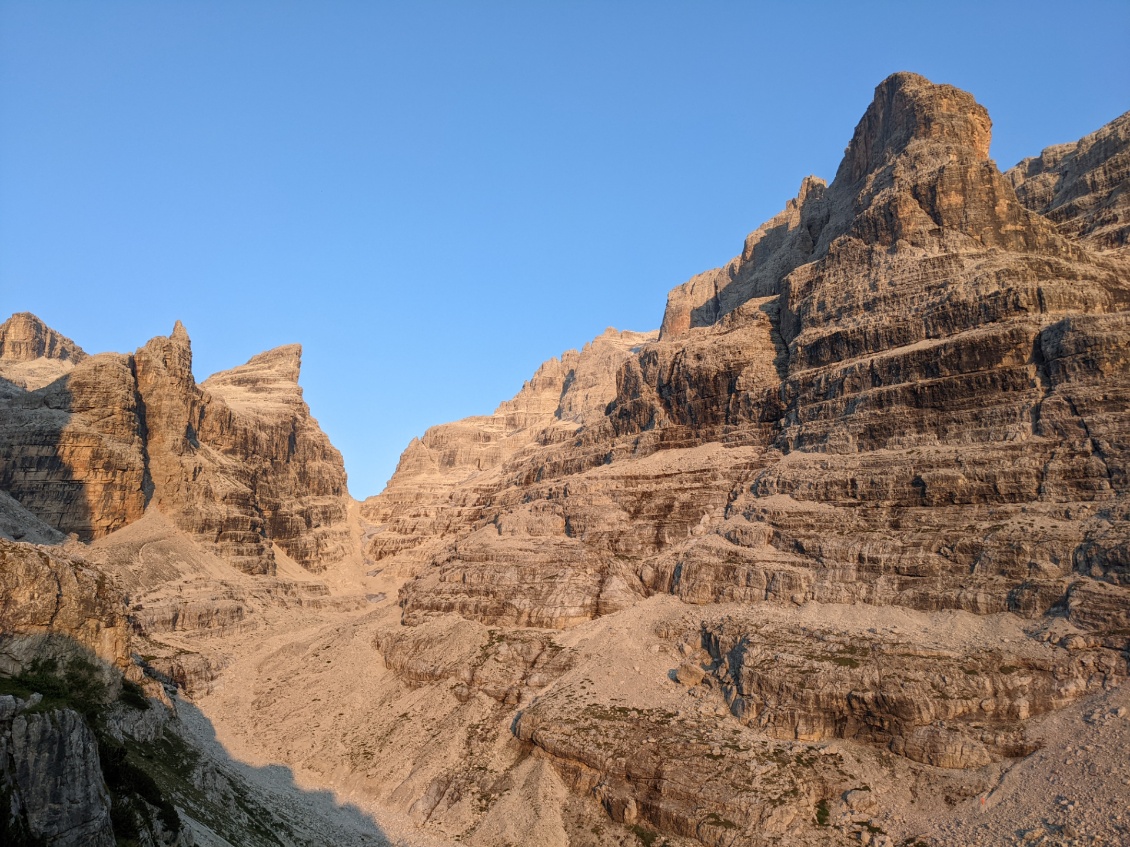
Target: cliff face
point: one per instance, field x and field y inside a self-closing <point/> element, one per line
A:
<point x="911" y="389"/>
<point x="51" y="779"/>
<point x="49" y="594"/>
<point x="57" y="608"/>
<point x="434" y="493"/>
<point x="72" y="452"/>
<point x="33" y="355"/>
<point x="1082" y="186"/>
<point x="827" y="556"/>
<point x="238" y="462"/>
<point x="774" y="249"/>
<point x="258" y="419"/>
<point x="911" y="339"/>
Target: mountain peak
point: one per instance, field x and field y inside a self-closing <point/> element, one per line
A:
<point x="266" y="383"/>
<point x="907" y="108"/>
<point x="24" y="338"/>
<point x="284" y="362"/>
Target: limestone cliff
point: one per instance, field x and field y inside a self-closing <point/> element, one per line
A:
<point x="32" y="354"/>
<point x="911" y="389"/>
<point x="73" y="452"/>
<point x="930" y="349"/>
<point x="46" y="595"/>
<point x="1083" y="186"/>
<point x="832" y="556"/>
<point x="427" y="498"/>
<point x="778" y="246"/>
<point x="258" y="418"/>
<point x="238" y="462"/>
<point x="50" y="779"/>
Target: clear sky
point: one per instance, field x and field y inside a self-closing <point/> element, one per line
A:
<point x="435" y="197"/>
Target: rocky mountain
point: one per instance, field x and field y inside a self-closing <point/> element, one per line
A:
<point x="440" y="479"/>
<point x="96" y="748"/>
<point x="840" y="555"/>
<point x="238" y="462"/>
<point x="911" y="389"/>
<point x="910" y="345"/>
<point x="1082" y="187"/>
<point x="32" y="354"/>
<point x="201" y="494"/>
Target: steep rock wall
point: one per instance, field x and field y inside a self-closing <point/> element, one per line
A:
<point x="238" y="462"/>
<point x="916" y="391"/>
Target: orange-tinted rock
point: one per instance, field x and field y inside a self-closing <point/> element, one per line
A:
<point x="239" y="463"/>
<point x="918" y="391"/>
<point x="72" y="453"/>
<point x="45" y="593"/>
<point x="1082" y="186"/>
<point x="24" y="338"/>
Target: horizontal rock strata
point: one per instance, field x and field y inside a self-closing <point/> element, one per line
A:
<point x="918" y="391"/>
<point x="1082" y="186"/>
<point x="912" y="389"/>
<point x="237" y="462"/>
<point x="45" y="594"/>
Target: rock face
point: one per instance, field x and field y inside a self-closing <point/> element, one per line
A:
<point x="72" y="453"/>
<point x="44" y="594"/>
<point x="32" y="354"/>
<point x="838" y="542"/>
<point x="1082" y="187"/>
<point x="778" y="246"/>
<point x="51" y="778"/>
<point x="948" y="708"/>
<point x="25" y="338"/>
<point x="433" y="494"/>
<point x="911" y="339"/>
<point x="911" y="389"/>
<point x="238" y="462"/>
<point x="296" y="477"/>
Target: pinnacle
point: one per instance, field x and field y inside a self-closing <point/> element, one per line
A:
<point x="908" y="108"/>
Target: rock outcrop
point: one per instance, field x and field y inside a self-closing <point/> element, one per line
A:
<point x="911" y="389"/>
<point x="431" y="494"/>
<point x="946" y="707"/>
<point x="32" y="354"/>
<point x="237" y="462"/>
<point x="72" y="452"/>
<point x="825" y="554"/>
<point x="1083" y="186"/>
<point x="777" y="247"/>
<point x="51" y="779"/>
<point x="258" y="419"/>
<point x="48" y="595"/>
<point x="910" y="338"/>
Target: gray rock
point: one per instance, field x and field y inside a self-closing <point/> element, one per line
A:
<point x="56" y="772"/>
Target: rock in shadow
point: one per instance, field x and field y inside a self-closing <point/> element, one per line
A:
<point x="72" y="456"/>
<point x="244" y="804"/>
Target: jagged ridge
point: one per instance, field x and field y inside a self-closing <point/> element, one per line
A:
<point x="238" y="462"/>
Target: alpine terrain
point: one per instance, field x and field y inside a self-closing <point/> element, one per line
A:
<point x="839" y="554"/>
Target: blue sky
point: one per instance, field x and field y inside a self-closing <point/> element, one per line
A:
<point x="435" y="197"/>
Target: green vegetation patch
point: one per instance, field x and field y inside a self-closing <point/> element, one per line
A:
<point x="80" y="686"/>
<point x="646" y="836"/>
<point x="823" y="813"/>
